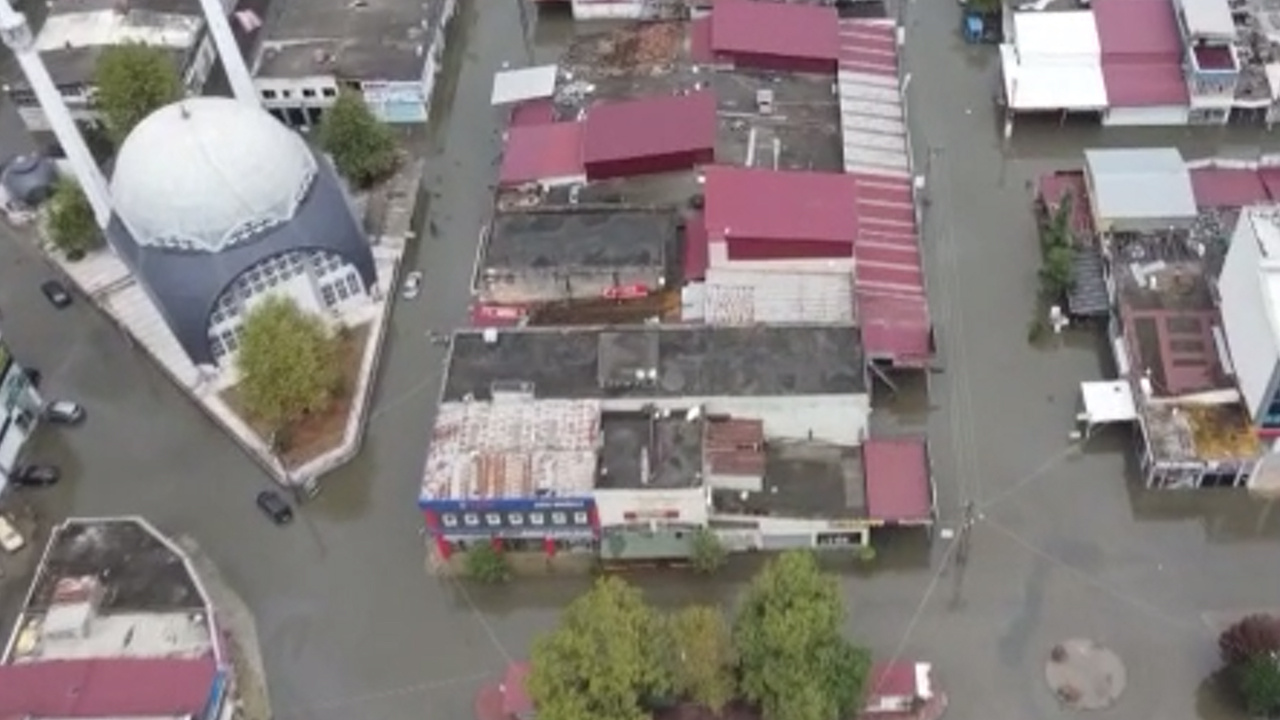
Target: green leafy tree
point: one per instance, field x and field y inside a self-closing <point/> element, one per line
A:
<point x="131" y="82"/>
<point x="361" y="146"/>
<point x="707" y="553"/>
<point x="1259" y="680"/>
<point x="701" y="656"/>
<point x="1248" y="638"/>
<point x="72" y="227"/>
<point x="793" y="661"/>
<point x="287" y="362"/>
<point x="605" y="660"/>
<point x="487" y="564"/>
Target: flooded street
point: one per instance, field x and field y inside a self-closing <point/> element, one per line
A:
<point x="1063" y="544"/>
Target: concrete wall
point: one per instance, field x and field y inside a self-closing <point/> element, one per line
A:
<point x="1162" y="116"/>
<point x="686" y="506"/>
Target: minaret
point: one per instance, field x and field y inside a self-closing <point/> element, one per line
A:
<point x="16" y="34"/>
<point x="215" y="16"/>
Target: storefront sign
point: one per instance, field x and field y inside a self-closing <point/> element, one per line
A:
<point x="837" y="539"/>
<point x="847" y="524"/>
<point x="626" y="292"/>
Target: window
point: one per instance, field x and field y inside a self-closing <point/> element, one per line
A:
<point x="515" y="519"/>
<point x="286" y="93"/>
<point x="580" y="518"/>
<point x="308" y="93"/>
<point x="559" y="518"/>
<point x="343" y="292"/>
<point x="494" y="519"/>
<point x="449" y="520"/>
<point x="269" y="94"/>
<point x="326" y="292"/>
<point x="215" y="347"/>
<point x="353" y="282"/>
<point x="537" y="518"/>
<point x="471" y="519"/>
<point x="329" y="92"/>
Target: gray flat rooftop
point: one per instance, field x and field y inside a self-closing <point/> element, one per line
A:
<point x="802" y="132"/>
<point x="366" y="40"/>
<point x="803" y="480"/>
<point x="645" y="450"/>
<point x="583" y="239"/>
<point x="137" y="570"/>
<point x="657" y="362"/>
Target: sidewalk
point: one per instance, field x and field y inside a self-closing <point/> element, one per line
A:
<point x="252" y="699"/>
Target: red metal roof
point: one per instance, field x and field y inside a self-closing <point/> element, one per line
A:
<point x="538" y="111"/>
<point x="759" y="27"/>
<point x="899" y="488"/>
<point x="1052" y="187"/>
<point x="696" y="253"/>
<point x="1270" y="178"/>
<point x="100" y="688"/>
<point x="869" y="46"/>
<point x="893" y="304"/>
<point x="1138" y="30"/>
<point x="540" y="152"/>
<point x="648" y="127"/>
<point x="700" y="41"/>
<point x="515" y="698"/>
<point x="776" y="205"/>
<point x="892" y="679"/>
<point x="1144" y="84"/>
<point x="1228" y="187"/>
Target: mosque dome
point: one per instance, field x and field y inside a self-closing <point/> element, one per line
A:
<point x="209" y="173"/>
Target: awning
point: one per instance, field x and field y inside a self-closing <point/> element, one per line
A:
<point x="513" y="86"/>
<point x="1108" y="401"/>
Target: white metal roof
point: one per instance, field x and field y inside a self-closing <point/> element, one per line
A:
<point x="1052" y="84"/>
<point x="513" y="86"/>
<point x="1208" y="18"/>
<point x="1138" y="183"/>
<point x="1108" y="401"/>
<point x="1056" y="35"/>
<point x="101" y="28"/>
<point x="745" y="297"/>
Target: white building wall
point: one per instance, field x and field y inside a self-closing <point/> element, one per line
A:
<point x="1246" y="320"/>
<point x="1162" y="116"/>
<point x="688" y="505"/>
<point x="838" y="419"/>
<point x="596" y="10"/>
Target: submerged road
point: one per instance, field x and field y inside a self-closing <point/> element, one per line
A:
<point x="1063" y="546"/>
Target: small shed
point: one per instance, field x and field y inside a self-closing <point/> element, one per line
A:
<point x="1139" y="190"/>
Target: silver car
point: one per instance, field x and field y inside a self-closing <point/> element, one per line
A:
<point x="412" y="285"/>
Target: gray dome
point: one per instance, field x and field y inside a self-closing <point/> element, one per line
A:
<point x="208" y="173"/>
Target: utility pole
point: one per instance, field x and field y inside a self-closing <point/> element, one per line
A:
<point x="961" y="557"/>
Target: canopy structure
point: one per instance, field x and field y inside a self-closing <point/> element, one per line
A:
<point x="1106" y="402"/>
<point x="514" y="86"/>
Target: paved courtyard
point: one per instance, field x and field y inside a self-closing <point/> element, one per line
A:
<point x="1064" y="546"/>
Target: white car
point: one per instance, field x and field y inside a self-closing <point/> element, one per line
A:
<point x="412" y="285"/>
<point x="10" y="539"/>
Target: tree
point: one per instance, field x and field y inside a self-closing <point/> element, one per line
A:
<point x="361" y="146"/>
<point x="603" y="661"/>
<point x="701" y="656"/>
<point x="1248" y="638"/>
<point x="287" y="361"/>
<point x="131" y="82"/>
<point x="708" y="553"/>
<point x="1259" y="682"/>
<point x="793" y="661"/>
<point x="487" y="564"/>
<point x="73" y="229"/>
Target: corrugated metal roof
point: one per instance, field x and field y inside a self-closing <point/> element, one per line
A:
<point x="1219" y="187"/>
<point x="892" y="301"/>
<point x="509" y="449"/>
<point x="1145" y="84"/>
<point x="744" y="297"/>
<point x="899" y="488"/>
<point x="773" y="28"/>
<point x="735" y="447"/>
<point x="106" y="688"/>
<point x="542" y="152"/>
<point x="1140" y="183"/>
<point x="778" y="205"/>
<point x="872" y="112"/>
<point x="1208" y="18"/>
<point x="648" y="127"/>
<point x="518" y="85"/>
<point x="1137" y="30"/>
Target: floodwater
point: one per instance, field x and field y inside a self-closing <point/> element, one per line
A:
<point x="1062" y="546"/>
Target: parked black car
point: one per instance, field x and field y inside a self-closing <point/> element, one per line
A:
<point x="275" y="506"/>
<point x="55" y="293"/>
<point x="36" y="475"/>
